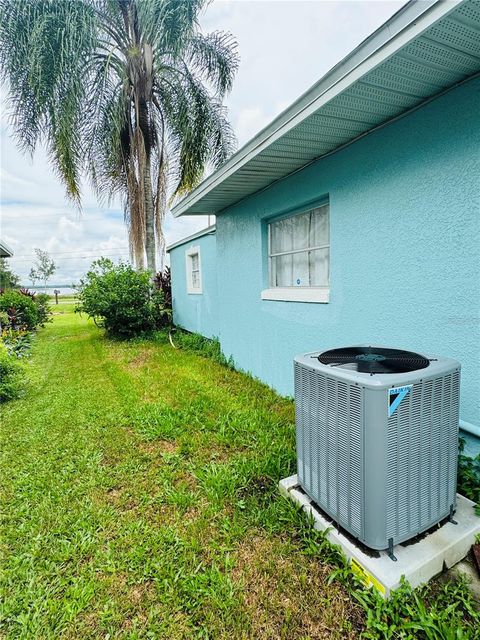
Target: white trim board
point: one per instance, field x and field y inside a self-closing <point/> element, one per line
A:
<point x="297" y="294"/>
<point x="189" y="253"/>
<point x="209" y="231"/>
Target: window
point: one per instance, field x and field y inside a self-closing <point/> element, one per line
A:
<point x="194" y="272"/>
<point x="299" y="257"/>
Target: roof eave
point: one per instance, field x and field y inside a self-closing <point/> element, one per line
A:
<point x="410" y="21"/>
<point x="5" y="251"/>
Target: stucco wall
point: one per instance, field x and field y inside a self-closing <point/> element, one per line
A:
<point x="196" y="312"/>
<point x="404" y="216"/>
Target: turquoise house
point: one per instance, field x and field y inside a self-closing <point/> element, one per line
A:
<point x="354" y="217"/>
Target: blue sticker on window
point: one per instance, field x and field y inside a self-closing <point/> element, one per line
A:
<point x="298" y="280"/>
<point x="395" y="397"/>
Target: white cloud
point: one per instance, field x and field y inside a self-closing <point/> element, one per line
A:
<point x="285" y="46"/>
<point x="249" y="121"/>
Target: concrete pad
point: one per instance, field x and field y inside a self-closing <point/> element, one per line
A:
<point x="417" y="562"/>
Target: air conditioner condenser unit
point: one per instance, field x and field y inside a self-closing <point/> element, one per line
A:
<point x="377" y="439"/>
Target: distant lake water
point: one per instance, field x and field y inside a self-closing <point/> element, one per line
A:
<point x="64" y="291"/>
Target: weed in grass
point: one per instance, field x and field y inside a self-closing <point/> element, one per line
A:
<point x="207" y="347"/>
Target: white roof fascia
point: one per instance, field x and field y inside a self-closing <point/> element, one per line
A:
<point x="204" y="232"/>
<point x="5" y="251"/>
<point x="409" y="22"/>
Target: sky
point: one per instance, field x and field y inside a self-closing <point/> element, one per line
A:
<point x="285" y="46"/>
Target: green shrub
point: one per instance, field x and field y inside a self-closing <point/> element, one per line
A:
<point x="122" y="300"/>
<point x="42" y="300"/>
<point x="12" y="375"/>
<point x="22" y="311"/>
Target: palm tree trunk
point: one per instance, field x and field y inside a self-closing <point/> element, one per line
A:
<point x="150" y="248"/>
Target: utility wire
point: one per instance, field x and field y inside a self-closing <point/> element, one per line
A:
<point x="56" y="253"/>
<point x="103" y="255"/>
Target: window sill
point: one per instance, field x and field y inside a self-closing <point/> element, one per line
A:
<point x="195" y="292"/>
<point x="294" y="294"/>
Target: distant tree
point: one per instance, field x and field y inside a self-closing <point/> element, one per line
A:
<point x="33" y="277"/>
<point x="43" y="268"/>
<point x="8" y="279"/>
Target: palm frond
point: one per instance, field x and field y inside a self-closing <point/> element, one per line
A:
<point x="43" y="48"/>
<point x="127" y="91"/>
<point x="168" y="25"/>
<point x="215" y="58"/>
<point x="198" y="127"/>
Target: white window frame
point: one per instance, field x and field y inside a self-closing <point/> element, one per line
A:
<point x="297" y="293"/>
<point x="189" y="253"/>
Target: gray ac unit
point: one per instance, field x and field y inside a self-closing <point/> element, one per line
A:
<point x="377" y="439"/>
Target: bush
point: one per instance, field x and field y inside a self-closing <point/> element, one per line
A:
<point x="12" y="376"/>
<point x="42" y="300"/>
<point x="22" y="311"/>
<point x="122" y="300"/>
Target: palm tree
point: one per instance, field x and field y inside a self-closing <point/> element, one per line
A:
<point x="127" y="92"/>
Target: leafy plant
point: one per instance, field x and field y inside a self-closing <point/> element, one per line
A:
<point x="129" y="90"/>
<point x="21" y="309"/>
<point x="12" y="375"/>
<point x="162" y="298"/>
<point x="17" y="342"/>
<point x="121" y="299"/>
<point x="163" y="282"/>
<point x="427" y="613"/>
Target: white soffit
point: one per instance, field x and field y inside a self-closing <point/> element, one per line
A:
<point x="423" y="50"/>
<point x="5" y="251"/>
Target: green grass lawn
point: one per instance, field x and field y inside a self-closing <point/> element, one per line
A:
<point x="139" y="500"/>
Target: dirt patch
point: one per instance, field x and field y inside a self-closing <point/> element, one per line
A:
<point x="286" y="594"/>
<point x="139" y="360"/>
<point x="158" y="447"/>
<point x="141" y="593"/>
<point x="113" y="495"/>
<point x="185" y="479"/>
